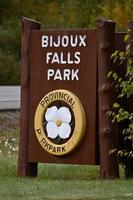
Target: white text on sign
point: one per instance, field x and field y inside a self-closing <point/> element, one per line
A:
<point x="69" y="58"/>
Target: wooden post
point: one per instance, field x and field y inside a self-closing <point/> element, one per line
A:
<point x="107" y="131"/>
<point x="129" y="161"/>
<point x="24" y="167"/>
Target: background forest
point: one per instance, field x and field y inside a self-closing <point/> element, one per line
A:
<point x="52" y="14"/>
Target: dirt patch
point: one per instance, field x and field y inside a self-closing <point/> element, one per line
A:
<point x="9" y="121"/>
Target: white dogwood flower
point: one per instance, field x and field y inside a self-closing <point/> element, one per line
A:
<point x="58" y="122"/>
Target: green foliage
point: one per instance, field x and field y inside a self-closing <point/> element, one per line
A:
<point x="8" y="69"/>
<point x="117" y="10"/>
<point x="124" y="88"/>
<point x="9" y="55"/>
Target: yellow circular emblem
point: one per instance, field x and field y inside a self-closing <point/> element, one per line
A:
<point x="59" y="122"/>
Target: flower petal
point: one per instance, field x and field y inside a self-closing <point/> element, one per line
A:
<point x="52" y="130"/>
<point x="64" y="130"/>
<point x="64" y="114"/>
<point x="51" y="114"/>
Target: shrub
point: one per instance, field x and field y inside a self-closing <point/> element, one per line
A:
<point x="9" y="71"/>
<point x="124" y="87"/>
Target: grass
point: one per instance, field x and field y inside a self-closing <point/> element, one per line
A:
<point x="54" y="182"/>
<point x="60" y="182"/>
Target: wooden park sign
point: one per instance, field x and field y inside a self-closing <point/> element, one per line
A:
<point x="63" y="118"/>
<point x="60" y="60"/>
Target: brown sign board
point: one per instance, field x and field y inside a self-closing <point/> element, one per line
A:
<point x="64" y="73"/>
<point x="65" y="59"/>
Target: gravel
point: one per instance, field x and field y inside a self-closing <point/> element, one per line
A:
<point x="9" y="121"/>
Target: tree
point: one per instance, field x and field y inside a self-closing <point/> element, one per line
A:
<point x="119" y="114"/>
